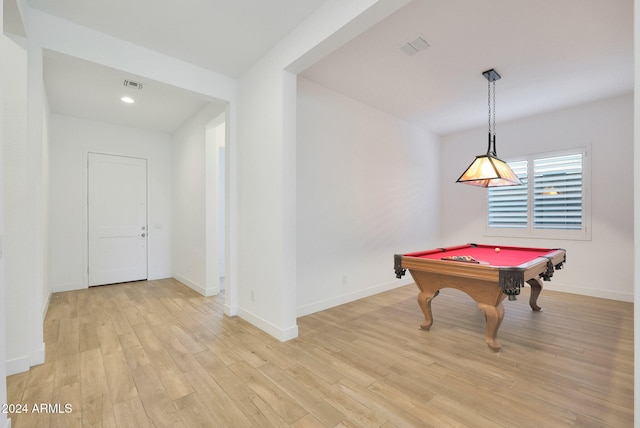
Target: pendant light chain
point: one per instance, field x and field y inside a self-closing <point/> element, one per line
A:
<point x="493" y="98"/>
<point x="491" y="103"/>
<point x="489" y="106"/>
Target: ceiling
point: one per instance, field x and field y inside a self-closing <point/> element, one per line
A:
<point x="87" y="90"/>
<point x="551" y="54"/>
<point x="226" y="36"/>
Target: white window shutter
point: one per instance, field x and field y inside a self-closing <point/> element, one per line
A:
<point x="557" y="192"/>
<point x="508" y="206"/>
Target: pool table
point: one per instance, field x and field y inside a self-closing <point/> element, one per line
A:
<point x="487" y="273"/>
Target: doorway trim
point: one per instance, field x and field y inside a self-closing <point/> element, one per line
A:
<point x="85" y="203"/>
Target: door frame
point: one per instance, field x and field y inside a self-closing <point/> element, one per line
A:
<point x="85" y="204"/>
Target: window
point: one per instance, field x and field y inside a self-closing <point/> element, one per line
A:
<point x="509" y="206"/>
<point x="551" y="202"/>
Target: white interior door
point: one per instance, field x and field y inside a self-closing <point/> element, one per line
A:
<point x="117" y="219"/>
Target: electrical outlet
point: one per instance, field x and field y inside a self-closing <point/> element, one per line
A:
<point x="345" y="280"/>
<point x="253" y="297"/>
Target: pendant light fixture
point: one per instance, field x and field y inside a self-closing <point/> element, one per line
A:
<point x="487" y="170"/>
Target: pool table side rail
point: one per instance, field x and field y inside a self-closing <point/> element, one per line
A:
<point x="511" y="279"/>
<point x="474" y="245"/>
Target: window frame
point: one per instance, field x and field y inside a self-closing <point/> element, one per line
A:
<point x="584" y="234"/>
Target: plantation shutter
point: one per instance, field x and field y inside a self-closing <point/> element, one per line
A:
<point x="557" y="192"/>
<point x="508" y="206"/>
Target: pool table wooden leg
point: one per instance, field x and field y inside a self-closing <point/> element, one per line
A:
<point x="536" y="288"/>
<point x="424" y="301"/>
<point x="494" y="316"/>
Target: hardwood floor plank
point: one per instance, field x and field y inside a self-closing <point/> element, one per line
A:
<point x="67" y="370"/>
<point x="284" y="405"/>
<point x="393" y="411"/>
<point x="131" y="414"/>
<point x="108" y="339"/>
<point x="308" y="421"/>
<point x="133" y="351"/>
<point x="93" y="379"/>
<point x="121" y="384"/>
<point x="173" y="380"/>
<point x="260" y="413"/>
<point x="419" y="407"/>
<point x="69" y="336"/>
<point x="16" y="384"/>
<point x="354" y="412"/>
<point x="220" y="347"/>
<point x="39" y="389"/>
<point x="97" y="411"/>
<point x="67" y="406"/>
<point x="157" y="404"/>
<point x="191" y="346"/>
<point x="147" y="338"/>
<point x="308" y="399"/>
<point x="195" y="413"/>
<point x="216" y="400"/>
<point x="224" y="376"/>
<point x="134" y="316"/>
<point x="120" y="323"/>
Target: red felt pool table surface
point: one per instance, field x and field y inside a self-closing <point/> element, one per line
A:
<point x="507" y="256"/>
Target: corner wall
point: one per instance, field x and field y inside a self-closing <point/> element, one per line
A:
<point x="366" y="186"/>
<point x="55" y="34"/>
<point x="25" y="346"/>
<point x="192" y="223"/>
<point x="266" y="159"/>
<point x="4" y="420"/>
<point x="71" y="139"/>
<point x="636" y="205"/>
<point x="600" y="267"/>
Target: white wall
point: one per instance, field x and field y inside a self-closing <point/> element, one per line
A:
<point x="190" y="188"/>
<point x="44" y="228"/>
<point x="23" y="298"/>
<point x="266" y="159"/>
<point x="4" y="421"/>
<point x="367" y="184"/>
<point x="636" y="205"/>
<point x="601" y="267"/>
<point x="70" y="141"/>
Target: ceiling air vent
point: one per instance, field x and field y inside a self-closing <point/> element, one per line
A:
<point x="414" y="46"/>
<point x="132" y="84"/>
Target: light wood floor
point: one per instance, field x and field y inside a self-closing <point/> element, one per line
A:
<point x="156" y="354"/>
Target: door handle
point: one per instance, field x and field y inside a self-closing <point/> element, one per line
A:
<point x="143" y="235"/>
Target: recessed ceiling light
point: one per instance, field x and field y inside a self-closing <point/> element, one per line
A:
<point x="127" y="100"/>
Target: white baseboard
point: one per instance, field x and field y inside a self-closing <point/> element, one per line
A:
<point x="24" y="363"/>
<point x="18" y="365"/>
<point x="192" y="285"/>
<point x="45" y="307"/>
<point x="211" y="291"/>
<point x="38" y="355"/>
<point x="583" y="291"/>
<point x="229" y="311"/>
<point x="59" y="288"/>
<point x="198" y="288"/>
<point x="159" y="275"/>
<point x="350" y="297"/>
<point x="281" y="334"/>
